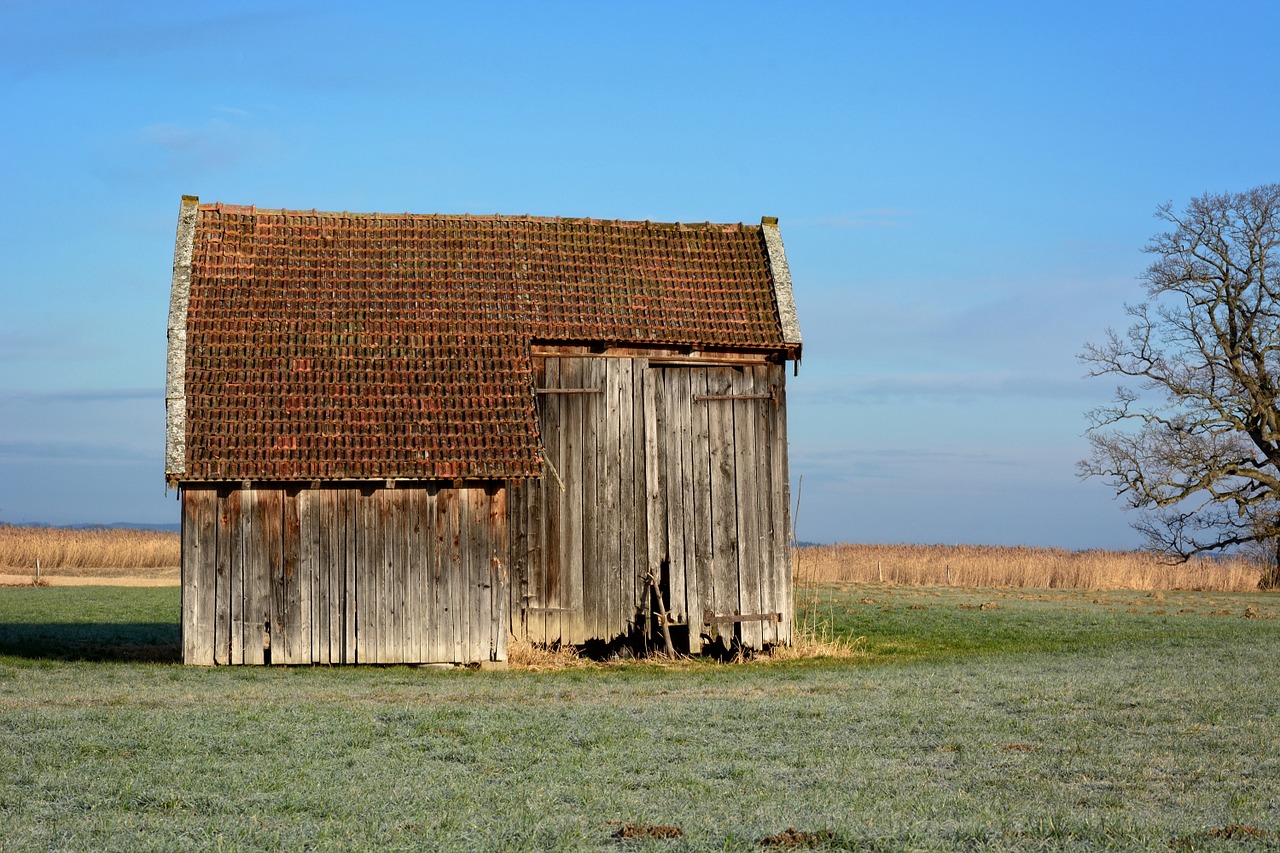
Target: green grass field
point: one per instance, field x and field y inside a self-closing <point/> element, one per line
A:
<point x="968" y="719"/>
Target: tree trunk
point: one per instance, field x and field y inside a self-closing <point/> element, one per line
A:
<point x="1271" y="572"/>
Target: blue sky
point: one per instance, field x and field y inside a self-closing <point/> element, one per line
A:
<point x="964" y="192"/>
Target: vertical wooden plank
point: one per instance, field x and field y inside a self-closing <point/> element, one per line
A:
<point x="368" y="554"/>
<point x="199" y="575"/>
<point x="475" y="567"/>
<point x="654" y="473"/>
<point x="689" y="499"/>
<point x="347" y="506"/>
<point x="640" y="492"/>
<point x="744" y="474"/>
<point x="457" y="576"/>
<point x="481" y="569"/>
<point x="500" y="599"/>
<point x="568" y="598"/>
<point x="390" y="628"/>
<point x="261" y="569"/>
<point x="308" y="568"/>
<point x="188" y="606"/>
<point x="287" y="623"/>
<point x="724" y="516"/>
<point x="544" y="514"/>
<point x="482" y="524"/>
<point x="781" y="510"/>
<point x="228" y="544"/>
<point x="241" y="554"/>
<point x="379" y="617"/>
<point x="335" y="528"/>
<point x="407" y="559"/>
<point x="377" y="565"/>
<point x="518" y="537"/>
<point x="327" y="536"/>
<point x="465" y="580"/>
<point x="585" y="588"/>
<point x="430" y="594"/>
<point x="241" y="521"/>
<point x="461" y="578"/>
<point x="309" y="575"/>
<point x="440" y="570"/>
<point x="404" y="538"/>
<point x="675" y="408"/>
<point x="424" y="566"/>
<point x="561" y="527"/>
<point x="242" y="602"/>
<point x="701" y="474"/>
<point x="412" y="576"/>
<point x="584" y="595"/>
<point x="207" y="527"/>
<point x="417" y="577"/>
<point x="622" y="411"/>
<point x="765" y="487"/>
<point x="606" y="462"/>
<point x="360" y="607"/>
<point x="388" y="618"/>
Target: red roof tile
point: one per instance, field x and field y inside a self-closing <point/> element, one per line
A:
<point x="335" y="345"/>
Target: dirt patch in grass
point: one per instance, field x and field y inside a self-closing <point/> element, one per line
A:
<point x="1230" y="832"/>
<point x="796" y="839"/>
<point x="625" y="830"/>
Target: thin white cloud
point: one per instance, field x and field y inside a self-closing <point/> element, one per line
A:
<point x="180" y="150"/>
<point x="856" y="220"/>
<point x="46" y="344"/>
<point x="954" y="386"/>
<point x="215" y="145"/>
<point x="97" y="453"/>
<point x="82" y="396"/>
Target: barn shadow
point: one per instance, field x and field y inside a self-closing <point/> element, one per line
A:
<point x="119" y="642"/>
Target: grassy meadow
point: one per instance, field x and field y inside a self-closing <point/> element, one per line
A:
<point x="976" y="719"/>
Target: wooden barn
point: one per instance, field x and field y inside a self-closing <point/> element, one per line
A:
<point x="405" y="438"/>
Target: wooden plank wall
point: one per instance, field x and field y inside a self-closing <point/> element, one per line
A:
<point x="645" y="474"/>
<point x="343" y="575"/>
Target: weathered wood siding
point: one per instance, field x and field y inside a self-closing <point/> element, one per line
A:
<point x="341" y="575"/>
<point x="655" y="468"/>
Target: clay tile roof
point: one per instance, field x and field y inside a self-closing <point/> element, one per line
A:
<point x="370" y="346"/>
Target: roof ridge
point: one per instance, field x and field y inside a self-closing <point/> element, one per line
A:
<point x="254" y="210"/>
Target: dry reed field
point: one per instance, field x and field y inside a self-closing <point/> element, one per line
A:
<point x="99" y="548"/>
<point x="938" y="565"/>
<point x="1001" y="566"/>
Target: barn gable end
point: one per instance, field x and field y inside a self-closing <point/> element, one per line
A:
<point x="407" y="438"/>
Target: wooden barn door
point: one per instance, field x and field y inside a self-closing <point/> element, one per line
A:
<point x="718" y="461"/>
<point x="578" y="531"/>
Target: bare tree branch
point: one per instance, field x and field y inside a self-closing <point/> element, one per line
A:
<point x="1201" y="460"/>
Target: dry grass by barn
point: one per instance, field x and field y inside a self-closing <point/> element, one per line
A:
<point x="97" y="548"/>
<point x="1001" y="566"/>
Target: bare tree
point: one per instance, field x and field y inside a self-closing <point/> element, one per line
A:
<point x="1193" y="441"/>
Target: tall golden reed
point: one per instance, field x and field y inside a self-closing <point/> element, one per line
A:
<point x="98" y="548"/>
<point x="1000" y="566"/>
